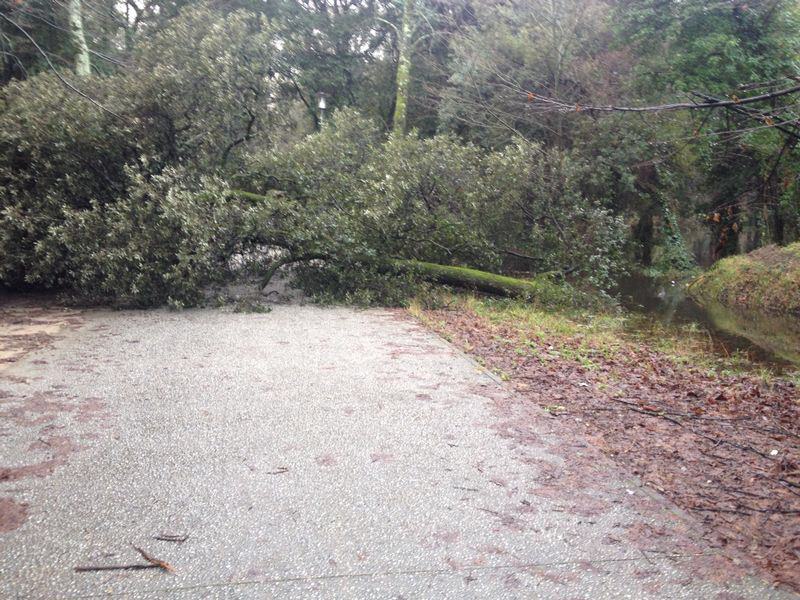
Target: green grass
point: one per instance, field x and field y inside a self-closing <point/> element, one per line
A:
<point x="588" y="337"/>
<point x="765" y="281"/>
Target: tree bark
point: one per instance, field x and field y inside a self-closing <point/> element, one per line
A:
<point x="471" y="279"/>
<point x="83" y="67"/>
<point x="403" y="77"/>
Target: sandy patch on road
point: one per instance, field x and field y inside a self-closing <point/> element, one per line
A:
<point x="28" y="324"/>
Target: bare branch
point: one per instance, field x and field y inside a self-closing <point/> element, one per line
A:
<point x="561" y="105"/>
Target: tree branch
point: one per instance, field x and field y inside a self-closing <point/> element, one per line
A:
<point x="576" y="107"/>
<point x="66" y="83"/>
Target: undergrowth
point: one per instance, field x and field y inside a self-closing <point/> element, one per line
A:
<point x="591" y="335"/>
<point x="765" y="281"/>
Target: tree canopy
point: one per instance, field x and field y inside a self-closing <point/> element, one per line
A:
<point x="575" y="137"/>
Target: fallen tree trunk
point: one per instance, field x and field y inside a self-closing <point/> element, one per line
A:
<point x="472" y="279"/>
<point x="461" y="277"/>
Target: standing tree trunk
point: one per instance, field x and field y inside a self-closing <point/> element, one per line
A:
<point x="82" y="65"/>
<point x="403" y="77"/>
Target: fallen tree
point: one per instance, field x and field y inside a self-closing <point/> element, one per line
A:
<point x="541" y="290"/>
<point x="473" y="279"/>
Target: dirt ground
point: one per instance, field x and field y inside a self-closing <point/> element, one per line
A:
<point x="30" y="322"/>
<point x="726" y="449"/>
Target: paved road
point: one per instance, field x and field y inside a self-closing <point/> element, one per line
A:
<point x="313" y="453"/>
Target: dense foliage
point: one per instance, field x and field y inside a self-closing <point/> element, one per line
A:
<point x="364" y="197"/>
<point x="82" y="205"/>
<point x="119" y="185"/>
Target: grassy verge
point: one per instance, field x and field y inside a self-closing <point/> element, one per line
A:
<point x="765" y="281"/>
<point x="592" y="337"/>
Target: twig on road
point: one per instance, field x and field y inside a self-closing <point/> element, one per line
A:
<point x="90" y="568"/>
<point x="171" y="537"/>
<point x="155" y="561"/>
<point x="278" y="471"/>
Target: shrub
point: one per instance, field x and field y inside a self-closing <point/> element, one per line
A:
<point x="83" y="203"/>
<point x="364" y="197"/>
<point x="425" y="198"/>
<point x="165" y="241"/>
<point x="57" y="154"/>
<point x="536" y="206"/>
<point x="362" y="200"/>
<point x="203" y="87"/>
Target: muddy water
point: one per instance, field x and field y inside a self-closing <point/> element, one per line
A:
<point x="771" y="341"/>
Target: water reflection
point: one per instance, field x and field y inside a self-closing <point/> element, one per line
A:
<point x="774" y="341"/>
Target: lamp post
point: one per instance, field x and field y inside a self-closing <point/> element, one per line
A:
<point x="322" y="105"/>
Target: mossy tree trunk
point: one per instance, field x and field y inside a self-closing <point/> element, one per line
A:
<point x="403" y="77"/>
<point x="471" y="279"/>
<point x="462" y="277"/>
<point x="83" y="67"/>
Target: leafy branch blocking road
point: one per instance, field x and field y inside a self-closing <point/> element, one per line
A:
<point x="721" y="446"/>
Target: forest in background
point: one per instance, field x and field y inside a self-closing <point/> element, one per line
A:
<point x="149" y="149"/>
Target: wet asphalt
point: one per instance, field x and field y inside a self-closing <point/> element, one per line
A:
<point x="314" y="453"/>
